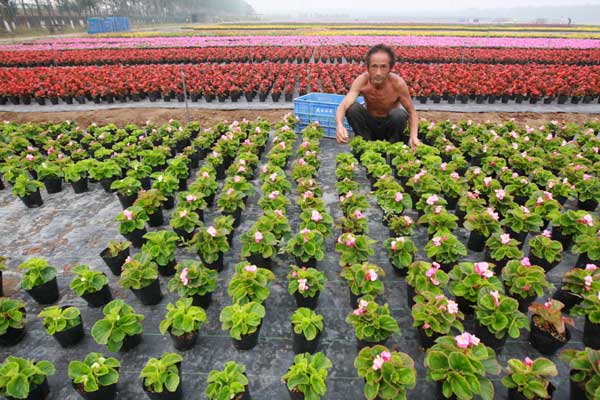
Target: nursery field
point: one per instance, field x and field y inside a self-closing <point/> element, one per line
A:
<point x="473" y="196"/>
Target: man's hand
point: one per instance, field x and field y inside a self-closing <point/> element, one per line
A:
<point x="413" y="142"/>
<point x="341" y="134"/>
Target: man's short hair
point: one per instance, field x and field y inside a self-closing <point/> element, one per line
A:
<point x="381" y="48"/>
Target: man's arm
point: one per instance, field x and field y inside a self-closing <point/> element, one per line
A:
<point x="341" y="133"/>
<point x="413" y="118"/>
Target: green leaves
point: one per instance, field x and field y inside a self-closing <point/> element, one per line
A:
<point x="308" y="374"/>
<point x="242" y="319"/>
<point x="119" y="320"/>
<point x="57" y="319"/>
<point x="12" y="314"/>
<point x="86" y="280"/>
<point x="182" y="318"/>
<point x="19" y="375"/>
<point x="162" y="373"/>
<point x="305" y="321"/>
<point x="94" y="372"/>
<point x="227" y="383"/>
<point x="38" y="272"/>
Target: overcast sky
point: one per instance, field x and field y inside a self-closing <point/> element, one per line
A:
<point x="395" y="6"/>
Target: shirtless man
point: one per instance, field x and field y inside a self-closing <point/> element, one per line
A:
<point x="387" y="99"/>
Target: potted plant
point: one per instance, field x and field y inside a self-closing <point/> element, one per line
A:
<point x="115" y="254"/>
<point x="96" y="377"/>
<point x="39" y="280"/>
<point x="167" y="185"/>
<point x="184" y="222"/>
<point x="305" y="379"/>
<point x="548" y="331"/>
<point x="105" y="172"/>
<point x="231" y="202"/>
<point x="477" y="361"/>
<point x="424" y="277"/>
<point x="519" y="221"/>
<point x="151" y="202"/>
<point x="500" y="248"/>
<point x="590" y="309"/>
<point x="12" y="321"/>
<point x="435" y="316"/>
<point x="206" y="184"/>
<point x="76" y="174"/>
<point x="64" y="323"/>
<point x="587" y="245"/>
<point x="314" y="219"/>
<point x="140" y="274"/>
<point x="388" y="375"/>
<point x="120" y="329"/>
<point x="497" y="317"/>
<point x="28" y="190"/>
<point x="392" y="201"/>
<point x="91" y="285"/>
<point x="307" y="327"/>
<point x="445" y="249"/>
<point x="160" y="246"/>
<point x="575" y="283"/>
<point x="210" y="244"/>
<point x="354" y="249"/>
<point x="585" y="372"/>
<point x="400" y="251"/>
<point x="356" y="222"/>
<point x="127" y="190"/>
<point x="439" y="221"/>
<point x="192" y="279"/>
<point x="306" y="284"/>
<point x="25" y="379"/>
<point x="132" y="224"/>
<point x="307" y="247"/>
<point x="482" y="223"/>
<point x="372" y="323"/>
<point x="258" y="246"/>
<point x="363" y="280"/>
<point x="467" y="279"/>
<point x="183" y="322"/>
<point x="544" y="251"/>
<point x="230" y="383"/>
<point x="161" y="378"/>
<point x="524" y="282"/>
<point x="249" y="283"/>
<point x="569" y="224"/>
<point x="528" y="379"/>
<point x="51" y="176"/>
<point x="192" y="201"/>
<point x="243" y="322"/>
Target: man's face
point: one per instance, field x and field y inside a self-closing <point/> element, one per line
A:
<point x="379" y="67"/>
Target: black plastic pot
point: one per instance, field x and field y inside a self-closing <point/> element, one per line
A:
<point x="217" y="265"/>
<point x="301" y="345"/>
<point x="114" y="263"/>
<point x="565" y="240"/>
<point x="542" y="262"/>
<point x="476" y="241"/>
<point x="259" y="261"/>
<point x="489" y="339"/>
<point x="126" y="200"/>
<point x="13" y="336"/>
<point x="169" y="269"/>
<point x="543" y="341"/>
<point x="98" y="298"/>
<point x="150" y="294"/>
<point x="156" y="219"/>
<point x="465" y="306"/>
<point x="308" y="302"/>
<point x="146" y="183"/>
<point x="130" y="342"/>
<point x="311" y="263"/>
<point x="577" y="391"/>
<point x="210" y="200"/>
<point x="169" y="203"/>
<point x="584" y="260"/>
<point x="70" y="337"/>
<point x="524" y="303"/>
<point x="514" y="394"/>
<point x="248" y="341"/>
<point x="33" y="200"/>
<point x="588" y="205"/>
<point x="426" y="341"/>
<point x="39" y="392"/>
<point x="183" y="234"/>
<point x="362" y="343"/>
<point x="105" y="183"/>
<point x="165" y="395"/>
<point x="184" y="342"/>
<point x="567" y="298"/>
<point x="103" y="393"/>
<point x="519" y="236"/>
<point x="53" y="185"/>
<point x="237" y="214"/>
<point x="81" y="186"/>
<point x="591" y="334"/>
<point x="46" y="293"/>
<point x="136" y="237"/>
<point x="202" y="300"/>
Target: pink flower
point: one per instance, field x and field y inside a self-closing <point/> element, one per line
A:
<point x="377" y="363"/>
<point x="258" y="236"/>
<point x="308" y="194"/>
<point x="462" y="341"/>
<point x="431" y="200"/>
<point x="273" y="195"/>
<point x="128" y="214"/>
<point x="190" y="197"/>
<point x="393" y="245"/>
<point x="358" y="214"/>
<point x="500" y="194"/>
<point x="426" y="326"/>
<point x="525" y="262"/>
<point x="29" y="157"/>
<point x="278" y="213"/>
<point x="371" y="275"/>
<point x="505" y="238"/>
<point x="301" y="161"/>
<point x="591" y="267"/>
<point x="444" y="166"/>
<point x="586" y="177"/>
<point x="350" y="240"/>
<point x="230" y="191"/>
<point x="586" y="220"/>
<point x="250" y="268"/>
<point x="205" y="175"/>
<point x="588" y="282"/>
<point x="182" y="213"/>
<point x="495" y="295"/>
<point x="407" y="221"/>
<point x="437" y="241"/>
<point x="316" y="216"/>
<point x="528" y="362"/>
<point x="362" y="307"/>
<point x="305" y="144"/>
<point x="273" y="177"/>
<point x="452" y="307"/>
<point x="438" y="210"/>
<point x="454" y="175"/>
<point x="487" y="181"/>
<point x="128" y="259"/>
<point x="483" y="269"/>
<point x="526" y="288"/>
<point x="184" y="277"/>
<point x="493" y="214"/>
<point x="386" y="356"/>
<point x="547" y="233"/>
<point x="237" y="179"/>
<point x="211" y="231"/>
<point x="302" y="286"/>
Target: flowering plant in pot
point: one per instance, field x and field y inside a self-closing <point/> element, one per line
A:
<point x="428" y="201"/>
<point x="424" y="277"/>
<point x="548" y="329"/>
<point x="127" y="189"/>
<point x="577" y="282"/>
<point x="354" y="249"/>
<point x="205" y="184"/>
<point x="363" y="280"/>
<point x="258" y="246"/>
<point x="276" y="182"/>
<point x="210" y="244"/>
<point x="435" y="316"/>
<point x="315" y="219"/>
<point x="28" y="190"/>
<point x="22" y="378"/>
<point x="497" y="317"/>
<point x="393" y="201"/>
<point x="39" y="280"/>
<point x="95" y="377"/>
<point x="453" y="362"/>
<point x="151" y="202"/>
<point x="401" y="225"/>
<point x="307" y="246"/>
<point x="528" y="379"/>
<point x="372" y="323"/>
<point x="160" y="246"/>
<point x="307" y="327"/>
<point x="192" y="279"/>
<point x="76" y="174"/>
<point x="482" y="223"/>
<point x="231" y="202"/>
<point x="184" y="222"/>
<point x="192" y="201"/>
<point x="183" y="322"/>
<point x="467" y="279"/>
<point x="250" y="283"/>
<point x="273" y="201"/>
<point x="388" y="375"/>
<point x="439" y="221"/>
<point x="401" y="251"/>
<point x="309" y="184"/>
<point x="275" y="222"/>
<point x="355" y="222"/>
<point x="346" y="185"/>
<point x="120" y="329"/>
<point x="64" y="323"/>
<point x="500" y="248"/>
<point x="239" y="184"/>
<point x="230" y="383"/>
<point x="161" y="378"/>
<point x="350" y="201"/>
<point x="305" y="284"/>
<point x="543" y="204"/>
<point x="520" y="220"/>
<point x="12" y="321"/>
<point x="132" y="224"/>
<point x="585" y="372"/>
<point x="523" y="281"/>
<point x="91" y="285"/>
<point x="590" y="309"/>
<point x="51" y="175"/>
<point x="587" y="245"/>
<point x="243" y="322"/>
<point x="571" y="223"/>
<point x="305" y="379"/>
<point x="114" y="255"/>
<point x="544" y="251"/>
<point x="166" y="184"/>
<point x="588" y="192"/>
<point x="140" y="274"/>
<point x="445" y="249"/>
<point x="104" y="172"/>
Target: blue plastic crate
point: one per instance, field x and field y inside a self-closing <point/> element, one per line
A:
<point x="95" y="25"/>
<point x="320" y="107"/>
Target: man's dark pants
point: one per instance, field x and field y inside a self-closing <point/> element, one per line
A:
<point x="390" y="128"/>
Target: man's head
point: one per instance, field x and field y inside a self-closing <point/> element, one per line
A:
<point x="380" y="60"/>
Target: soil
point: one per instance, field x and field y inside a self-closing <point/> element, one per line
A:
<point x="550" y="329"/>
<point x="121" y="117"/>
